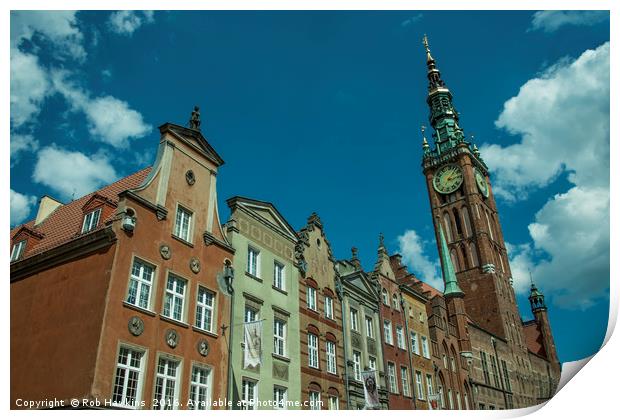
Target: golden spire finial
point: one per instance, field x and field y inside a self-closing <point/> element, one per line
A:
<point x="429" y="58"/>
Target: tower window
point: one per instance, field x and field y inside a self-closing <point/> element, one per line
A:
<point x="457" y="222"/>
<point x="446" y="221"/>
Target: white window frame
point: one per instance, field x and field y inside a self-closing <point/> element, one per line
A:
<point x="250" y="314"/>
<point x="425" y="350"/>
<point x="372" y="363"/>
<point x="128" y="369"/>
<point x="249" y="386"/>
<point x="357" y="365"/>
<point x="400" y="338"/>
<point x="329" y="307"/>
<point x="165" y="378"/>
<point x="415" y="345"/>
<point x="183" y="217"/>
<point x="280" y="397"/>
<point x="404" y="380"/>
<point x="315" y="400"/>
<point x="392" y="378"/>
<point x="450" y="400"/>
<point x="91" y="220"/>
<point x="330" y="351"/>
<point x="253" y="267"/>
<point x="370" y="330"/>
<point x="385" y="297"/>
<point x="334" y="402"/>
<point x="429" y="384"/>
<point x="200" y="383"/>
<point x="387" y="332"/>
<point x="279" y="275"/>
<point x="142" y="281"/>
<point x="395" y="304"/>
<point x="311" y="297"/>
<point x="313" y="350"/>
<point x="18" y="250"/>
<point x="355" y="326"/>
<point x="205" y="311"/>
<point x="171" y="297"/>
<point x="279" y="337"/>
<point x="419" y="385"/>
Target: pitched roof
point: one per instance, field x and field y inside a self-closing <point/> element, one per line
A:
<point x="533" y="338"/>
<point x="65" y="223"/>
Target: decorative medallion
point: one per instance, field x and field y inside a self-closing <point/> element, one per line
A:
<point x="172" y="338"/>
<point x="190" y="177"/>
<point x="165" y="251"/>
<point x="203" y="347"/>
<point x="194" y="265"/>
<point x="135" y="325"/>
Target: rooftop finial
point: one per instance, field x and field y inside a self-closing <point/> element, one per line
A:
<point x="425" y="145"/>
<point x="429" y="58"/>
<point x="381" y="244"/>
<point x="194" y="121"/>
<point x="531" y="279"/>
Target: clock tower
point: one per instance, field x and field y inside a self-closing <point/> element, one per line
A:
<point x="464" y="212"/>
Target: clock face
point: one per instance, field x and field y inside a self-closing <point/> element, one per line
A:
<point x="481" y="182"/>
<point x="448" y="179"/>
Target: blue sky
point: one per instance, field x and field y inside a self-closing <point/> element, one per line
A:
<point x="320" y="111"/>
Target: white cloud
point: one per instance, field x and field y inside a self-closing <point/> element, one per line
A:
<point x="22" y="143"/>
<point x="552" y="20"/>
<point x="72" y="174"/>
<point x="411" y="20"/>
<point x="126" y="22"/>
<point x="411" y="247"/>
<point x="29" y="87"/>
<point x="110" y="120"/>
<point x="563" y="120"/>
<point x="20" y="206"/>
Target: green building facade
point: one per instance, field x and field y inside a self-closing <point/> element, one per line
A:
<point x="265" y="289"/>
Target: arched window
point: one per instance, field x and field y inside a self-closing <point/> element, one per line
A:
<point x="457" y="222"/>
<point x="384" y="296"/>
<point x="446" y="222"/>
<point x="501" y="261"/>
<point x="395" y="301"/>
<point x="486" y="213"/>
<point x="465" y="259"/>
<point x="466" y="222"/>
<point x="474" y="254"/>
<point x="455" y="260"/>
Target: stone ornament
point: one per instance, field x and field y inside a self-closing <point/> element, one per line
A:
<point x="194" y="265"/>
<point x="135" y="326"/>
<point x="190" y="177"/>
<point x="172" y="338"/>
<point x="165" y="251"/>
<point x="203" y="347"/>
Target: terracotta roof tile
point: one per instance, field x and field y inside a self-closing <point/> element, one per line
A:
<point x="533" y="338"/>
<point x="65" y="222"/>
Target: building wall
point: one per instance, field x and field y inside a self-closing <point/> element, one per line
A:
<point x="320" y="273"/>
<point x="258" y="292"/>
<point x="56" y="319"/>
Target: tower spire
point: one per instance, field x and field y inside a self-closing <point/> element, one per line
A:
<point x="449" y="277"/>
<point x="536" y="298"/>
<point x="434" y="76"/>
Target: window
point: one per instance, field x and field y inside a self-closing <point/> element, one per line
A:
<point x="166" y="384"/>
<point x="450" y="402"/>
<point x="444" y="359"/>
<point x="392" y="378"/>
<point x="404" y="381"/>
<point x="400" y="337"/>
<point x="384" y="297"/>
<point x="370" y="331"/>
<point x="91" y="220"/>
<point x="419" y="386"/>
<point x="425" y="351"/>
<point x="279" y="337"/>
<point x="18" y="250"/>
<point x="452" y="364"/>
<point x="494" y="371"/>
<point x="140" y="284"/>
<point x="429" y="385"/>
<point x="506" y="376"/>
<point x="330" y="349"/>
<point x="253" y="268"/>
<point x="278" y="275"/>
<point x="311" y="297"/>
<point x="313" y="350"/>
<point x="279" y="396"/>
<point x="248" y="394"/>
<point x="199" y="388"/>
<point x="485" y="367"/>
<point x="395" y="302"/>
<point x="415" y="348"/>
<point x="357" y="365"/>
<point x="372" y="363"/>
<point x="251" y="314"/>
<point x="315" y="400"/>
<point x="458" y="400"/>
<point x="329" y="307"/>
<point x="128" y="379"/>
<point x="387" y="332"/>
<point x="466" y="398"/>
<point x="174" y="298"/>
<point x="204" y="309"/>
<point x="183" y="224"/>
<point x="334" y="403"/>
<point x="354" y="320"/>
<point x="442" y="401"/>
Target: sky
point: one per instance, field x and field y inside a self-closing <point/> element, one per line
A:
<point x="321" y="112"/>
